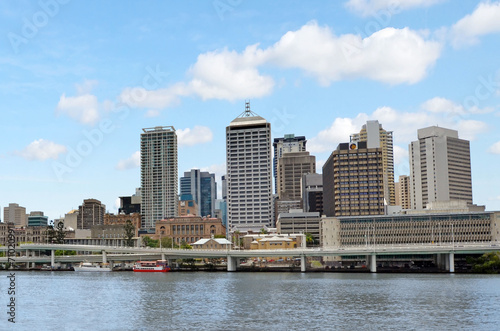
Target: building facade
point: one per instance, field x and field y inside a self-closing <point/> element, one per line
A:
<point x="189" y="229"/>
<point x="159" y="174"/>
<point x="36" y="218"/>
<point x="311" y="188"/>
<point x="121" y="219"/>
<point x="203" y="188"/>
<point x="403" y="197"/>
<point x="353" y="181"/>
<point x="291" y="167"/>
<point x="288" y="144"/>
<point x="248" y="163"/>
<point x="428" y="228"/>
<point x="15" y="214"/>
<point x="297" y="221"/>
<point x="188" y="206"/>
<point x="376" y="137"/>
<point x="90" y="213"/>
<point x="440" y="167"/>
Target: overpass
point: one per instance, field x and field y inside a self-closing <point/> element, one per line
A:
<point x="445" y="253"/>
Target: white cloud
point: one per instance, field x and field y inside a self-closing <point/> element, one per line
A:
<point x="446" y="106"/>
<point x="83" y="108"/>
<point x="403" y="124"/>
<point x="384" y="7"/>
<point x="400" y="154"/>
<point x="42" y="150"/>
<point x="134" y="161"/>
<point x="338" y="132"/>
<point x="495" y="148"/>
<point x="153" y="113"/>
<point x="157" y="99"/>
<point x="485" y="19"/>
<point x="194" y="136"/>
<point x="229" y="75"/>
<point x="393" y="56"/>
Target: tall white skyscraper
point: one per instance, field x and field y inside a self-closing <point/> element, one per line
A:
<point x="248" y="160"/>
<point x="159" y="174"/>
<point x="440" y="167"/>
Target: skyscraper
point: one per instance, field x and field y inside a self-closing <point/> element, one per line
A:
<point x="403" y="192"/>
<point x="159" y="174"/>
<point x="311" y="187"/>
<point x="248" y="163"/>
<point x="15" y="214"/>
<point x="353" y="181"/>
<point x="90" y="213"/>
<point x="201" y="185"/>
<point x="376" y="137"/>
<point x="291" y="167"/>
<point x="440" y="167"/>
<point x="288" y="144"/>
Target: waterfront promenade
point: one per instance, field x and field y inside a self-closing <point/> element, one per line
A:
<point x="31" y="253"/>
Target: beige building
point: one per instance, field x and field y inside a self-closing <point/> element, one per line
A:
<point x="403" y="192"/>
<point x="121" y="219"/>
<point x="376" y="137"/>
<point x="250" y="240"/>
<point x="291" y="168"/>
<point x="440" y="167"/>
<point x="431" y="228"/>
<point x="31" y="234"/>
<point x="212" y="243"/>
<point x="275" y="242"/>
<point x="353" y="181"/>
<point x="189" y="229"/>
<point x="15" y="214"/>
<point x="297" y="221"/>
<point x="188" y="208"/>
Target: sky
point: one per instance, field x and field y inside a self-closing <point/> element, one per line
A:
<point x="79" y="80"/>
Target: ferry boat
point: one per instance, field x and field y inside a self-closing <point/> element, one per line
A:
<point x="87" y="266"/>
<point x="151" y="266"/>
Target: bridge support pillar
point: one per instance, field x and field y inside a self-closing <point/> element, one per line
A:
<point x="52" y="258"/>
<point x="373" y="263"/>
<point x="170" y="263"/>
<point x="451" y="262"/>
<point x="302" y="263"/>
<point x="104" y="257"/>
<point x="163" y="256"/>
<point x="231" y="263"/>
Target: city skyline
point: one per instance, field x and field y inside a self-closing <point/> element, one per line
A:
<point x="78" y="88"/>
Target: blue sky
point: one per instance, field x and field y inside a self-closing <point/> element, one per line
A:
<point x="80" y="79"/>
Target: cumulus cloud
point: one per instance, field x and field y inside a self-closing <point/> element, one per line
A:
<point x="403" y="124"/>
<point x="374" y="7"/>
<point x="229" y="75"/>
<point x="485" y="19"/>
<point x="85" y="108"/>
<point x="42" y="150"/>
<point x="495" y="148"/>
<point x="194" y="136"/>
<point x="446" y="106"/>
<point x="134" y="161"/>
<point x="393" y="56"/>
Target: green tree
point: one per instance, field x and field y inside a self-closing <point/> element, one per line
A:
<point x="263" y="231"/>
<point x="59" y="233"/>
<point x="50" y="234"/>
<point x="488" y="263"/>
<point x="185" y="245"/>
<point x="166" y="242"/>
<point x="309" y="239"/>
<point x="147" y="241"/>
<point x="129" y="233"/>
<point x="219" y="236"/>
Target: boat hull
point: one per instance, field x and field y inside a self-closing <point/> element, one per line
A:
<point x="152" y="270"/>
<point x="92" y="269"/>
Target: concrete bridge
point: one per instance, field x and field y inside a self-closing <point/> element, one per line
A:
<point x="445" y="253"/>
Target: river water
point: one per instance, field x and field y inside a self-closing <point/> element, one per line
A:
<point x="251" y="301"/>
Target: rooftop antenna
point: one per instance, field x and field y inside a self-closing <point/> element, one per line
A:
<point x="247" y="112"/>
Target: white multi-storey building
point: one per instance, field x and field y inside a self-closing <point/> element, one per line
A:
<point x="440" y="168"/>
<point x="248" y="160"/>
<point x="159" y="174"/>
